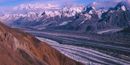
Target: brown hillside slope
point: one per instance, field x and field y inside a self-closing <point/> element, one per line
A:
<point x="19" y="48"/>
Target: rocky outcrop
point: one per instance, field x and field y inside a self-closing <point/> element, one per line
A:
<point x="117" y="17"/>
<point x="19" y="48"/>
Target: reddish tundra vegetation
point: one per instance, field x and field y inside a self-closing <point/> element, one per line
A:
<point x="19" y="48"/>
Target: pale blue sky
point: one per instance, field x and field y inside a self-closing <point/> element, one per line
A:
<point x="17" y="2"/>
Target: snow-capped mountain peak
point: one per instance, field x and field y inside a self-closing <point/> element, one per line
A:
<point x="36" y="6"/>
<point x="123" y="8"/>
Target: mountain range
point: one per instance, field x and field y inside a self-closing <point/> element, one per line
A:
<point x="48" y="34"/>
<point x="79" y="19"/>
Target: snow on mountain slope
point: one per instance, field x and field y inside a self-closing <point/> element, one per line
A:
<point x="36" y="7"/>
<point x="95" y="16"/>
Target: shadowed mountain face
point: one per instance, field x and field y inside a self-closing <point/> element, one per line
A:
<point x="89" y="19"/>
<point x="18" y="48"/>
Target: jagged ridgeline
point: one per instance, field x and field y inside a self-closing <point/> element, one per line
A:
<point x="81" y="19"/>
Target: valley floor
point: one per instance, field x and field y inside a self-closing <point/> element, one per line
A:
<point x="91" y="49"/>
